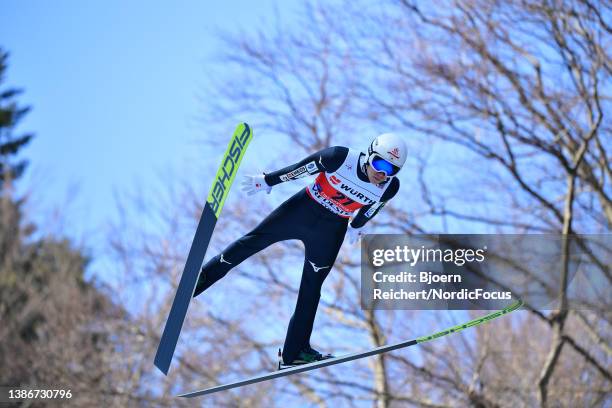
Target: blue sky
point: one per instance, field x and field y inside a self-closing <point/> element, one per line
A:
<point x="114" y="89"/>
<point x="113" y="86"/>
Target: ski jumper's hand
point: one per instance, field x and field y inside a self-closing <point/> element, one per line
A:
<point x="255" y="184"/>
<point x="354" y="234"/>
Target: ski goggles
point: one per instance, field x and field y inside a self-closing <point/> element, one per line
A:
<point x="382" y="165"/>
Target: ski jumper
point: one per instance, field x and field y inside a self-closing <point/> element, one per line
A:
<point x="318" y="216"/>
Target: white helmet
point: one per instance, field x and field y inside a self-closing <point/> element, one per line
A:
<point x="387" y="153"/>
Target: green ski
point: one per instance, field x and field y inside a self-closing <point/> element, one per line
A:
<point x="212" y="209"/>
<point x="350" y="357"/>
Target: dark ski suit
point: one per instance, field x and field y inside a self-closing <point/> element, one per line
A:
<point x="301" y="217"/>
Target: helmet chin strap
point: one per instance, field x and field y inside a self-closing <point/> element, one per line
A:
<point x="363" y="163"/>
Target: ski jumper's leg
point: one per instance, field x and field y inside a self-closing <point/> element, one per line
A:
<point x="322" y="246"/>
<point x="275" y="227"/>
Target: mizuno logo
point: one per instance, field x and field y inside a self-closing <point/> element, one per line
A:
<point x="222" y="260"/>
<point x="317" y="268"/>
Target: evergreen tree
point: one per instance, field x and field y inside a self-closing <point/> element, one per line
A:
<point x="10" y="115"/>
<point x="55" y="325"/>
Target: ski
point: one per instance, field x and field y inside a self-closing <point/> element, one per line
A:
<point x="350" y="357"/>
<point x="210" y="214"/>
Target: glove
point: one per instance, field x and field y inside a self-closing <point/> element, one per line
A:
<point x="255" y="184"/>
<point x="354" y="234"/>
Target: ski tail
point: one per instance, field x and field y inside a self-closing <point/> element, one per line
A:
<point x="191" y="272"/>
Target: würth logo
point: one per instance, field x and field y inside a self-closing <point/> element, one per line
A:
<point x="334" y="180"/>
<point x="395" y="153"/>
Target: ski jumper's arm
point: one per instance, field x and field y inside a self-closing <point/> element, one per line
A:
<point x="366" y="213"/>
<point x="329" y="160"/>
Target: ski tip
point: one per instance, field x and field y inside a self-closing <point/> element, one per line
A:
<point x="244" y="127"/>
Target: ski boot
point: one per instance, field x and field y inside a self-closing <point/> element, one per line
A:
<point x="306" y="356"/>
